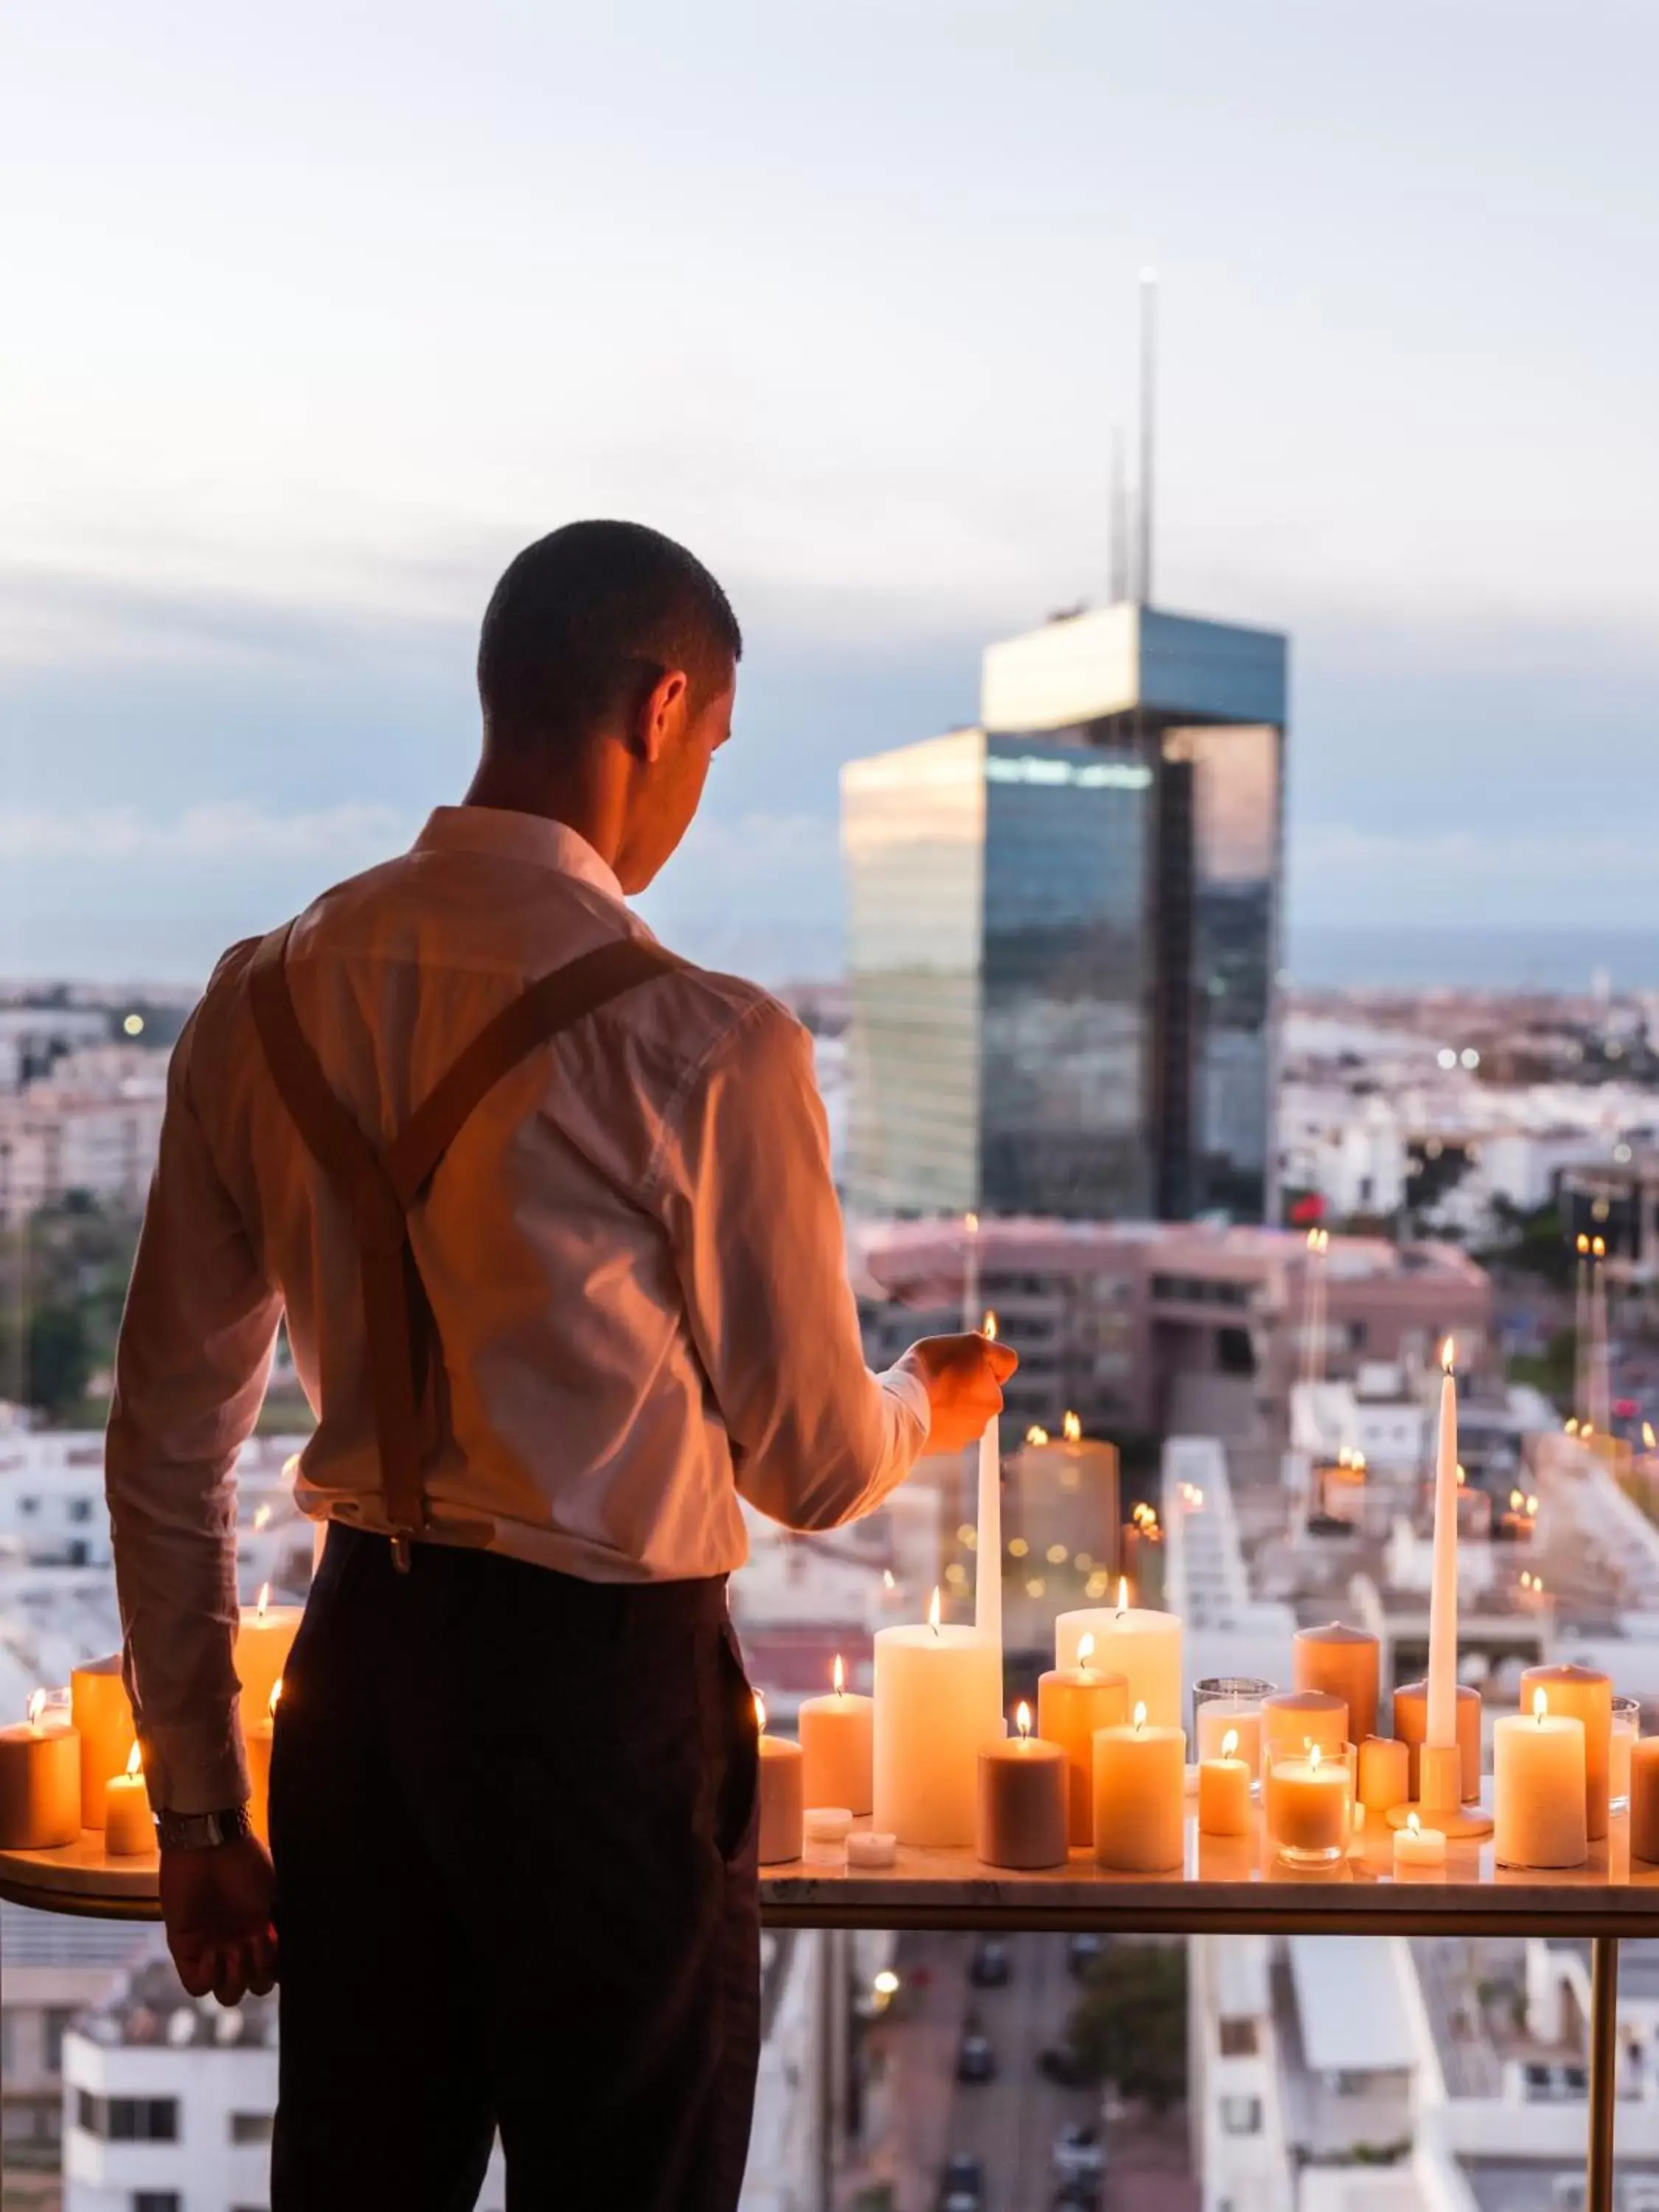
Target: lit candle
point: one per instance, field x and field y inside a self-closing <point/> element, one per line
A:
<point x="1583" y="1694"/>
<point x="1303" y="1716"/>
<point x="1022" y="1797"/>
<point x="103" y="1720"/>
<point x="1415" y="1848"/>
<point x="1538" y="1788"/>
<point x="1072" y="1703"/>
<point x="1343" y="1662"/>
<point x="1143" y="1646"/>
<point x="258" y="1742"/>
<point x="783" y="1806"/>
<point x="987" y="1553"/>
<point x="1645" y="1798"/>
<point x="1411" y="1722"/>
<point x="128" y="1823"/>
<point x="1224" y="1791"/>
<point x="1442" y="1719"/>
<point x="1385" y="1773"/>
<point x="1307" y="1801"/>
<point x="1220" y="1718"/>
<point x="939" y="1696"/>
<point x="263" y="1641"/>
<point x="1141" y="1774"/>
<point x="837" y="1741"/>
<point x="40" y="1783"/>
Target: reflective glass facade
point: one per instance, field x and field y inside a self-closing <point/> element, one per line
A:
<point x="1063" y="945"/>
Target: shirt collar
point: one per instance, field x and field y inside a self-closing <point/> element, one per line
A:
<point x="505" y="835"/>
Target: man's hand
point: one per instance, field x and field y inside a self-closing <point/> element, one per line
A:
<point x="963" y="1377"/>
<point x="217" y="1905"/>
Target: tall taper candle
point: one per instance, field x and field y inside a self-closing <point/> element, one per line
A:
<point x="1442" y="1591"/>
<point x="987" y="1542"/>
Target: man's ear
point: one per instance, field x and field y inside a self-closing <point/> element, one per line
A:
<point x="661" y="713"/>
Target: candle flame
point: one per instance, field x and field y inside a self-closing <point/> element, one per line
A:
<point x="1541" y="1704"/>
<point x="1230" y="1744"/>
<point x="1072" y="1429"/>
<point x="988" y="1331"/>
<point x="760" y="1713"/>
<point x="1140" y="1718"/>
<point x="262" y="1519"/>
<point x="37" y="1707"/>
<point x="1599" y="1248"/>
<point x="1313" y="1240"/>
<point x="1313" y="1755"/>
<point x="276" y="1693"/>
<point x="1037" y="1434"/>
<point x="1532" y="1508"/>
<point x="1413" y="1824"/>
<point x="1584" y="1245"/>
<point x="1122" y="1594"/>
<point x="1085" y="1649"/>
<point x="887" y="1581"/>
<point x="290" y="1466"/>
<point x="1462" y="1476"/>
<point x="264" y="1599"/>
<point x="933" y="1611"/>
<point x="1515" y="1501"/>
<point x="1572" y="1426"/>
<point x="971" y="1223"/>
<point x="135" y="1761"/>
<point x="1022" y="1720"/>
<point x="1449" y="1356"/>
<point x="839" y="1676"/>
<point x="1651" y="1443"/>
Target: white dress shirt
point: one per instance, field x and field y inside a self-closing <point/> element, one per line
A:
<point x="633" y="1252"/>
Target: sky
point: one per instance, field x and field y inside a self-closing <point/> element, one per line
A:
<point x="310" y="317"/>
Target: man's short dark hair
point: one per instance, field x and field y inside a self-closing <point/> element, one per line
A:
<point x="586" y="620"/>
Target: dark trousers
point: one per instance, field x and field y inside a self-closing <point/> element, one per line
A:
<point x="513" y="1817"/>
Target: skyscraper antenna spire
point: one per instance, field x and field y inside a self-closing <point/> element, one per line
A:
<point x="1120" y="517"/>
<point x="1148" y="427"/>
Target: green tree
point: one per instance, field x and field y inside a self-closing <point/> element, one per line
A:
<point x="1131" y="2026"/>
<point x="60" y="1358"/>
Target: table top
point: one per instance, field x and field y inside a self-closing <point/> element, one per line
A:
<point x="1226" y="1886"/>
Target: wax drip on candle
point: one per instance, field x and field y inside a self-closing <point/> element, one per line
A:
<point x="1085" y="1651"/>
<point x="1023" y="1722"/>
<point x="1230" y="1744"/>
<point x="37" y="1705"/>
<point x="760" y="1713"/>
<point x="1140" y="1718"/>
<point x="933" y="1611"/>
<point x="839" y="1677"/>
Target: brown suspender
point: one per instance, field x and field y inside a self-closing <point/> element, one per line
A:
<point x="378" y="1190"/>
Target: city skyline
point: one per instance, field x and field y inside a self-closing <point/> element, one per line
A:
<point x="270" y="441"/>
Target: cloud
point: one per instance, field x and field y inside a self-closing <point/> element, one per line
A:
<point x="231" y="836"/>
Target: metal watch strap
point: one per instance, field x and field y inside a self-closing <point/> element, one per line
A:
<point x="200" y="1831"/>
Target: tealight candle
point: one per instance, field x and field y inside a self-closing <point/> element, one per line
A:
<point x="1538" y="1788"/>
<point x="40" y="1783"/>
<point x="264" y="1639"/>
<point x="825" y="1831"/>
<point x="1023" y="1793"/>
<point x="837" y="1741"/>
<point x="102" y="1715"/>
<point x="259" y="1740"/>
<point x="1308" y="1794"/>
<point x="1306" y="1716"/>
<point x="1417" y="1848"/>
<point x="1410" y="1725"/>
<point x="1582" y="1693"/>
<point x="1645" y="1798"/>
<point x="1385" y="1775"/>
<point x="939" y="1696"/>
<point x="870" y="1847"/>
<point x="1141" y="1774"/>
<point x="1343" y="1662"/>
<point x="782" y="1805"/>
<point x="128" y="1823"/>
<point x="1072" y="1703"/>
<point x="1143" y="1646"/>
<point x="1224" y="1791"/>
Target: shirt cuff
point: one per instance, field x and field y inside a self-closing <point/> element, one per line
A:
<point x="911" y="1394"/>
<point x="200" y="1768"/>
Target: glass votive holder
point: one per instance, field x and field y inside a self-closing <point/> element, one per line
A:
<point x="1626" y="1727"/>
<point x="1308" y="1795"/>
<point x="1230" y="1702"/>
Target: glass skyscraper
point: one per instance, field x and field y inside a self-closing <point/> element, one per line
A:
<point x="1063" y="930"/>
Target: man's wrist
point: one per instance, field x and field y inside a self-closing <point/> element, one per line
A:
<point x="201" y="1831"/>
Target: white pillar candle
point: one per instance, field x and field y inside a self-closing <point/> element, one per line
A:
<point x="782" y="1808"/>
<point x="264" y="1639"/>
<point x="987" y="1542"/>
<point x="1417" y="1848"/>
<point x="1140" y="1775"/>
<point x="1537" y="1789"/>
<point x="938" y="1698"/>
<point x="1224" y="1791"/>
<point x="1442" y="1719"/>
<point x="40" y="1783"/>
<point x="129" y="1825"/>
<point x="103" y="1721"/>
<point x="1142" y="1646"/>
<point x="837" y="1741"/>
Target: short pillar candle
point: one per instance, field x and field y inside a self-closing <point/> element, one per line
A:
<point x="1140" y="1776"/>
<point x="1410" y="1725"/>
<point x="1024" y="1797"/>
<point x="40" y="1783"/>
<point x="837" y="1741"/>
<point x="1072" y="1703"/>
<point x="1644" y="1799"/>
<point x="102" y="1716"/>
<point x="129" y="1825"/>
<point x="1306" y="1716"/>
<point x="1141" y="1645"/>
<point x="1385" y="1773"/>
<point x="1224" y="1791"/>
<point x="1582" y="1693"/>
<point x="782" y="1799"/>
<point x="1344" y="1662"/>
<point x="1537" y="1789"/>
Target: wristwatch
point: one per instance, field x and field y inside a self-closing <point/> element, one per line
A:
<point x="200" y="1831"/>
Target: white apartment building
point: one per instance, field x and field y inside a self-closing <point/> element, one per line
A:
<point x="93" y="1125"/>
<point x="54" y="1968"/>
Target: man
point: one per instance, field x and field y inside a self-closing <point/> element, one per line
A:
<point x="561" y="1270"/>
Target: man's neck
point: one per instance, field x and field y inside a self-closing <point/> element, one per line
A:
<point x="580" y="803"/>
